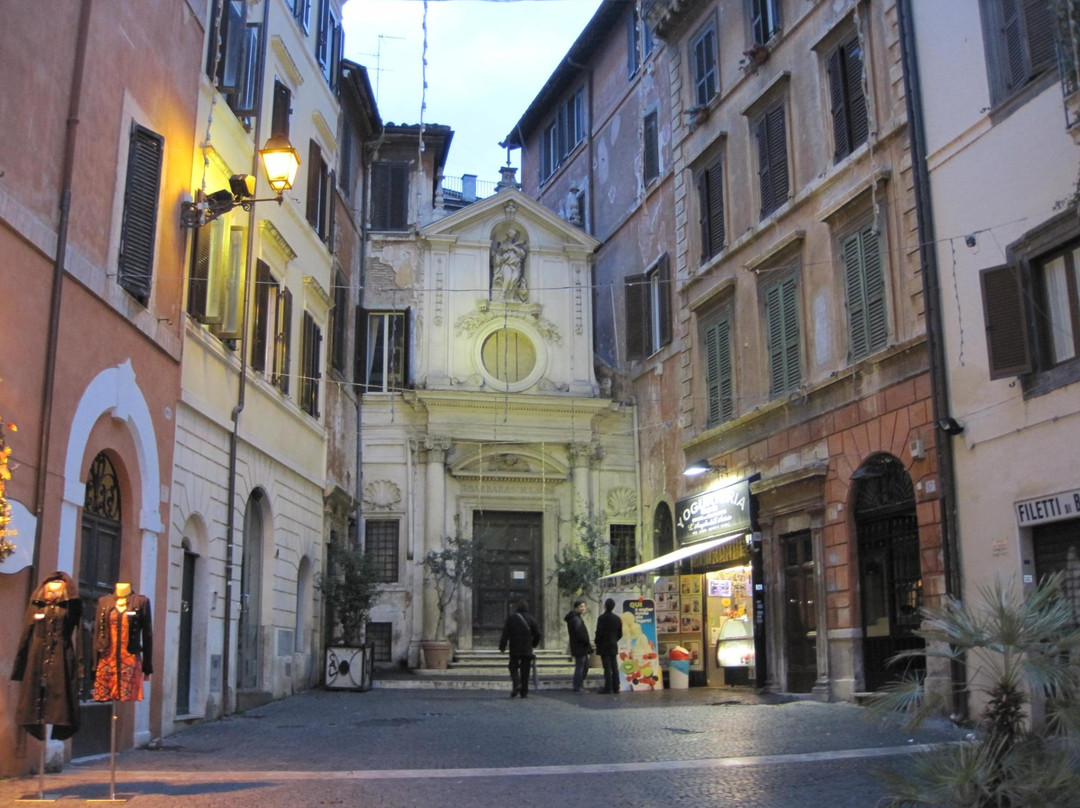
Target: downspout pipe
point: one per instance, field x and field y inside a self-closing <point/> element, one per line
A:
<point x="939" y="389"/>
<point x="53" y="344"/>
<point x="234" y="435"/>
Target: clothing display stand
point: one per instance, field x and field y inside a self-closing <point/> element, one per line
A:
<point x="40" y="796"/>
<point x="113" y="796"/>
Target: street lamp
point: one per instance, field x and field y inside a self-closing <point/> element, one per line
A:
<point x="280" y="162"/>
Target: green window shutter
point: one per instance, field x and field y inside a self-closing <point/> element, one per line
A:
<point x="663" y="316"/>
<point x="864" y="283"/>
<point x="782" y="319"/>
<point x="1007" y="346"/>
<point x="136" y="262"/>
<point x="719" y="376"/>
<point x="778" y="156"/>
<point x="711" y="193"/>
<point x="855" y="291"/>
<point x="856" y="99"/>
<point x="877" y="319"/>
<point x="837" y="100"/>
<point x="636" y="290"/>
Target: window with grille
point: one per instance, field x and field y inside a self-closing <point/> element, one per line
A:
<point x="703" y="54"/>
<point x="623" y="546"/>
<point x="310" y="367"/>
<point x="770" y="130"/>
<point x="651" y="137"/>
<point x="380" y="636"/>
<point x="710" y="183"/>
<point x="719" y="372"/>
<point x="135" y="266"/>
<point x="846" y="98"/>
<point x="381" y="546"/>
<point x="1020" y="43"/>
<point x="383" y="353"/>
<point x="648" y="310"/>
<point x="782" y="338"/>
<point x="864" y="287"/>
<point x="390" y="196"/>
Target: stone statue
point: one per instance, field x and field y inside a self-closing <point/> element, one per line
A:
<point x="508" y="268"/>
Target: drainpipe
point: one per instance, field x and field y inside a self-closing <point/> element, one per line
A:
<point x="58" y="284"/>
<point x="939" y="390"/>
<point x="234" y="435"/>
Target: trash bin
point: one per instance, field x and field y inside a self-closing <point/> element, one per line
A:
<point x="678" y="668"/>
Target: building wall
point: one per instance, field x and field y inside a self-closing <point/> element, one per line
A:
<point x="115" y="382"/>
<point x="1016" y="444"/>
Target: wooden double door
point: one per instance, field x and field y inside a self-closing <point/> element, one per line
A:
<point x="511" y="543"/>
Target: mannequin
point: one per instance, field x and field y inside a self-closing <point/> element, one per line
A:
<point x="46" y="661"/>
<point x="123" y="641"/>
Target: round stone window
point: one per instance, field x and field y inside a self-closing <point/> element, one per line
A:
<point x="508" y="355"/>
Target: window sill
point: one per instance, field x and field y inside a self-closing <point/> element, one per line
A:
<point x="1047" y="381"/>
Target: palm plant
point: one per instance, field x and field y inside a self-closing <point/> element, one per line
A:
<point x="1022" y="656"/>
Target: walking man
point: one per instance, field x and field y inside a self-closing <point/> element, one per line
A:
<point x="608" y="634"/>
<point x="521" y="633"/>
<point x="580" y="647"/>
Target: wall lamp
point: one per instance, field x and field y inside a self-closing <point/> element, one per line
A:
<point x="701" y="467"/>
<point x="950" y="426"/>
<point x="280" y="161"/>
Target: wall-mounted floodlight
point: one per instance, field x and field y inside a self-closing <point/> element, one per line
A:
<point x="701" y="467"/>
<point x="950" y="426"/>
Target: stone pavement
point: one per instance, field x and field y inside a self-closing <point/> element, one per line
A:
<point x="395" y="747"/>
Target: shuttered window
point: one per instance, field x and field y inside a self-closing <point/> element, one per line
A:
<point x="711" y="203"/>
<point x="319" y="202"/>
<point x="772" y="159"/>
<point x="232" y="54"/>
<point x="651" y="136"/>
<point x="390" y="196"/>
<point x="282" y="342"/>
<point x="864" y="286"/>
<point x="383" y="353"/>
<point x="648" y="310"/>
<point x="703" y="54"/>
<point x="266" y="290"/>
<point x="1020" y="43"/>
<point x="1005" y="314"/>
<point x="310" y="366"/>
<point x="719" y="373"/>
<point x="846" y="97"/>
<point x="764" y="20"/>
<point x="782" y="321"/>
<point x="135" y="266"/>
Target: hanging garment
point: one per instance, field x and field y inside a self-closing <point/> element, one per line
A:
<point x="47" y="663"/>
<point x="123" y="642"/>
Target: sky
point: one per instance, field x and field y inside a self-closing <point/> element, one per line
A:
<point x="486" y="61"/>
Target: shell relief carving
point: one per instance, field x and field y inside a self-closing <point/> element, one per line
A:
<point x="382" y="494"/>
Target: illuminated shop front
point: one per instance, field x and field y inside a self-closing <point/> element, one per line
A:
<point x="708" y="593"/>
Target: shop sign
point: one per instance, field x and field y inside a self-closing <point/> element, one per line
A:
<point x="1053" y="508"/>
<point x="714" y="513"/>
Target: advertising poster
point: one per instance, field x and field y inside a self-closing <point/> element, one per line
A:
<point x="639" y="661"/>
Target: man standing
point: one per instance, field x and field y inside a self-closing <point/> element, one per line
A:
<point x="522" y="633"/>
<point x="608" y="634"/>
<point x="580" y="647"/>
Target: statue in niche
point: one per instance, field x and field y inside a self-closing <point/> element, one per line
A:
<point x="508" y="267"/>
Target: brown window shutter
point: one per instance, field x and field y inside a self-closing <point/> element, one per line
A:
<point x="199" y="276"/>
<point x="1008" y="347"/>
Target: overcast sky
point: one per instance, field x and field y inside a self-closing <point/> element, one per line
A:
<point x="486" y="61"/>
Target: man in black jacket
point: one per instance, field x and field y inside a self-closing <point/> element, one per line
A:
<point x="522" y="633"/>
<point x="580" y="647"/>
<point x="608" y="634"/>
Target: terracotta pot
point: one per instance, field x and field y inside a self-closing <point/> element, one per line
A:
<point x="437" y="653"/>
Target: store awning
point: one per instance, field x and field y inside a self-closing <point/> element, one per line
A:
<point x="671" y="558"/>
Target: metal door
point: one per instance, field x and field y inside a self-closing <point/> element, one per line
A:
<point x="183" y="663"/>
<point x="510" y="542"/>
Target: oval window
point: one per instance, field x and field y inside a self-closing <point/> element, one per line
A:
<point x="508" y="355"/>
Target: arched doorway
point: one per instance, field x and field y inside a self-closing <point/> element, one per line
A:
<point x="247" y="644"/>
<point x="890" y="572"/>
<point x="99" y="570"/>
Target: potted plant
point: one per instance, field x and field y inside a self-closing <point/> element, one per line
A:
<point x="580" y="567"/>
<point x="1020" y="652"/>
<point x="350" y="590"/>
<point x="456" y="565"/>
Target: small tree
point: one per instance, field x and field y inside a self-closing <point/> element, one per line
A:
<point x="1018" y="650"/>
<point x="582" y="564"/>
<point x="351" y="590"/>
<point x="458" y="564"/>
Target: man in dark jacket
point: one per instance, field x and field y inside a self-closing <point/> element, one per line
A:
<point x="608" y="634"/>
<point x="580" y="647"/>
<point x="521" y="633"/>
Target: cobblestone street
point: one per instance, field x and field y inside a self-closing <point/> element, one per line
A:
<point x="397" y="747"/>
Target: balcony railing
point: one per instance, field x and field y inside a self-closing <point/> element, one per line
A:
<point x="466" y="189"/>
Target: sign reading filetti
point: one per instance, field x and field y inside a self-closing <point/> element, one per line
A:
<point x="1039" y="510"/>
<point x="714" y="513"/>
